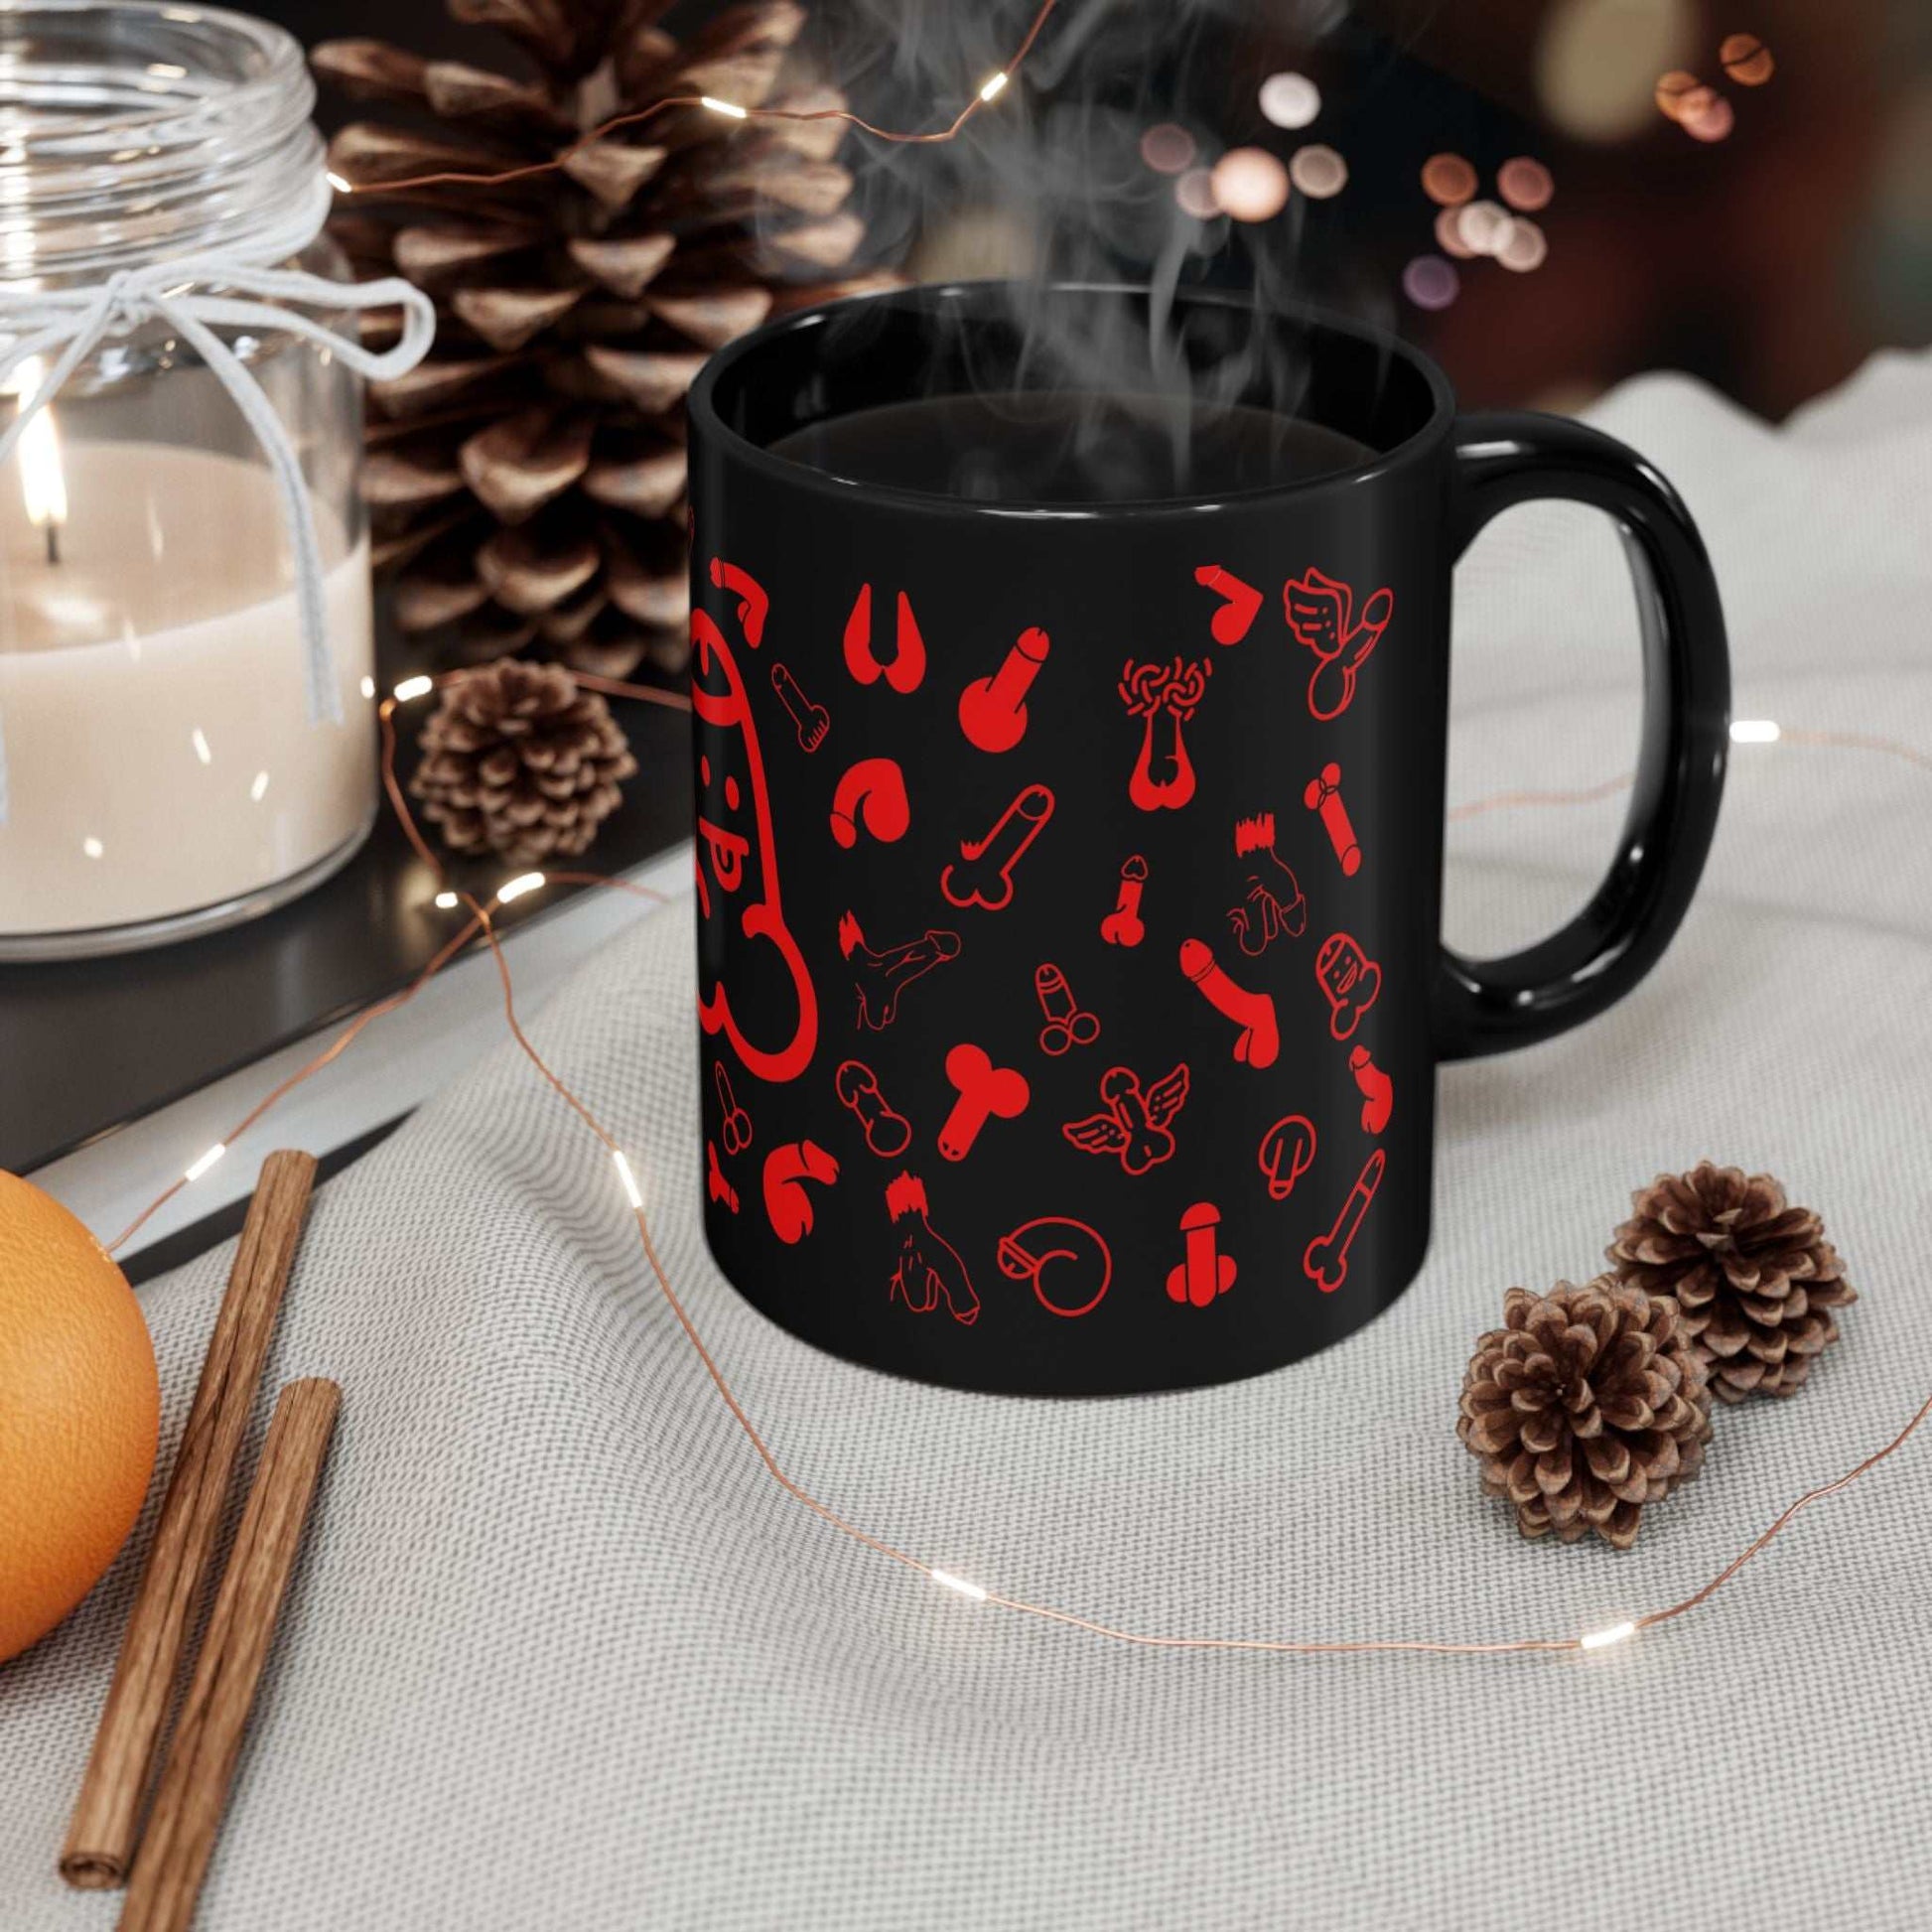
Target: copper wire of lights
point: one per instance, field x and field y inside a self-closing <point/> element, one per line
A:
<point x="989" y="89"/>
<point x="481" y="922"/>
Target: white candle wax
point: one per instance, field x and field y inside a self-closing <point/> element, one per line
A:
<point x="160" y="753"/>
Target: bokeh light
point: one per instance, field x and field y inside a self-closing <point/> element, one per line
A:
<point x="1598" y="61"/>
<point x="1708" y="120"/>
<point x="1525" y="184"/>
<point x="1249" y="184"/>
<point x="1484" y="227"/>
<point x="1448" y="235"/>
<point x="1525" y="248"/>
<point x="1431" y="283"/>
<point x="1674" y="89"/>
<point x="1747" y="60"/>
<point x="1166" y="148"/>
<point x="1194" y="190"/>
<point x="1289" y="99"/>
<point x="1317" y="172"/>
<point x="1447" y="180"/>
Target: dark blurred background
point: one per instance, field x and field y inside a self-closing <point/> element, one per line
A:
<point x="1769" y="261"/>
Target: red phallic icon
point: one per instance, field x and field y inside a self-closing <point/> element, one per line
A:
<point x="1321" y="613"/>
<point x="927" y="1269"/>
<point x="812" y="721"/>
<point x="1326" y="1262"/>
<point x="1121" y="926"/>
<point x="880" y="977"/>
<point x="870" y="795"/>
<point x="1324" y="795"/>
<point x="1286" y="1149"/>
<point x="787" y="1169"/>
<point x="983" y="1090"/>
<point x="752" y="604"/>
<point x="735" y="1129"/>
<point x="887" y="1134"/>
<point x="737" y="861"/>
<point x="993" y="710"/>
<point x="1134" y="1126"/>
<point x="982" y="874"/>
<point x="1086" y="1264"/>
<point x="1066" y="1023"/>
<point x="1274" y="903"/>
<point x="1205" y="1272"/>
<point x="1241" y="603"/>
<point x="715" y="1186"/>
<point x="1349" y="980"/>
<point x="905" y="670"/>
<point x="1152" y="692"/>
<point x="1259" y="1042"/>
<point x="1376" y="1088"/>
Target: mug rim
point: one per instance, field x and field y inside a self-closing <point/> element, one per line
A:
<point x="706" y="419"/>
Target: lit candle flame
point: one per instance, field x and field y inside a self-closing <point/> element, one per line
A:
<point x="43" y="481"/>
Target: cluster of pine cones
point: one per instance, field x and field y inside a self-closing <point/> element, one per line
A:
<point x="526" y="482"/>
<point x="1590" y="1403"/>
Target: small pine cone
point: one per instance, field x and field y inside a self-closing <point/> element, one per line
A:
<point x="1586" y="1404"/>
<point x="1756" y="1278"/>
<point x="518" y="762"/>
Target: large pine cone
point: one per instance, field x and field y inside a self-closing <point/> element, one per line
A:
<point x="518" y="762"/>
<point x="527" y="482"/>
<point x="1586" y="1404"/>
<point x="1756" y="1278"/>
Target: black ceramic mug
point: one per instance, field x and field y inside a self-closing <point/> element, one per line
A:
<point x="1070" y="980"/>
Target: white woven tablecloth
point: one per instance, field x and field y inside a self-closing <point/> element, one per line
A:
<point x="561" y="1656"/>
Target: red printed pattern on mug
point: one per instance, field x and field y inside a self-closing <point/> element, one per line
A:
<point x="1376" y="1088"/>
<point x="982" y="874"/>
<point x="887" y="1133"/>
<point x="1240" y="602"/>
<point x="1134" y="1126"/>
<point x="1285" y="1153"/>
<point x="715" y="1186"/>
<point x="1325" y="1259"/>
<point x="1321" y="615"/>
<point x="1073" y="1255"/>
<point x="1324" y="795"/>
<point x="1123" y="926"/>
<point x="1258" y="1041"/>
<point x="1274" y="903"/>
<point x="981" y="1092"/>
<point x="752" y="603"/>
<point x="1349" y="980"/>
<point x="1205" y="1272"/>
<point x="1151" y="693"/>
<point x="905" y="671"/>
<point x="810" y="720"/>
<point x="927" y="1269"/>
<point x="993" y="710"/>
<point x="880" y="976"/>
<point x="1066" y="1023"/>
<point x="872" y="794"/>
<point x="734" y="1124"/>
<point x="787" y="1205"/>
<point x="743" y="864"/>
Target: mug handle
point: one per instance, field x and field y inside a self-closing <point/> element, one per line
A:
<point x="1507" y="458"/>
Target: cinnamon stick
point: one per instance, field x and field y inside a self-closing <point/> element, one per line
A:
<point x="102" y="1832"/>
<point x="194" y="1788"/>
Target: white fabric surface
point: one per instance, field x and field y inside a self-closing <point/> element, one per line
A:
<point x="560" y="1655"/>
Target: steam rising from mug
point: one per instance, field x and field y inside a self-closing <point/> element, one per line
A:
<point x="1052" y="188"/>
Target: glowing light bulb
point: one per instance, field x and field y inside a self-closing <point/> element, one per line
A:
<point x="729" y="108"/>
<point x="369" y="686"/>
<point x="258" y="790"/>
<point x="1603" y="1639"/>
<point x="1755" y="731"/>
<point x="963" y="1585"/>
<point x="446" y="901"/>
<point x="628" y="1178"/>
<point x="198" y="1168"/>
<point x="341" y="186"/>
<point x="199" y="739"/>
<point x="92" y="847"/>
<point x="993" y="85"/>
<point x="524" y="881"/>
<point x="414" y="687"/>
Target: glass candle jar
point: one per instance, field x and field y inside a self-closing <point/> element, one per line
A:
<point x="172" y="760"/>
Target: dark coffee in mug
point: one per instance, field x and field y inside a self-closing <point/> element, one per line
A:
<point x="1069" y="829"/>
<point x="1071" y="447"/>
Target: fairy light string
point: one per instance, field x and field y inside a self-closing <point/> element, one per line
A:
<point x="988" y="90"/>
<point x="481" y="924"/>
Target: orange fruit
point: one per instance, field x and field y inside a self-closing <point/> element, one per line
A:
<point x="79" y="1412"/>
